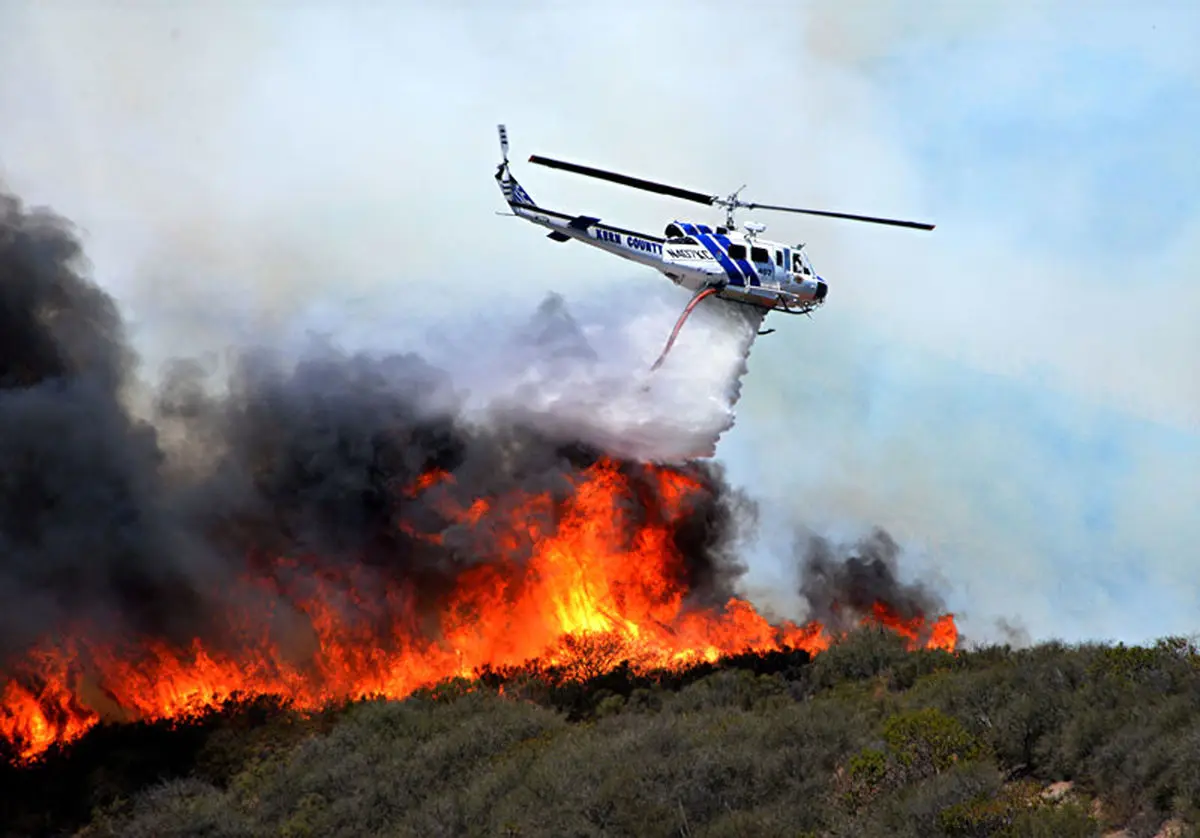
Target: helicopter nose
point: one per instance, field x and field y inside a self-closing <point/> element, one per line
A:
<point x="822" y="289"/>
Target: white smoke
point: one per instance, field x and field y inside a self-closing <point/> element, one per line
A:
<point x="589" y="376"/>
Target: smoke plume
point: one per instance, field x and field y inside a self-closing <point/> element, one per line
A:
<point x="86" y="529"/>
<point x="551" y="376"/>
<point x="840" y="587"/>
<point x="141" y="526"/>
<point x="391" y="492"/>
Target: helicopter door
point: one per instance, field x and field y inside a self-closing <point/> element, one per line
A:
<point x="800" y="267"/>
<point x="760" y="257"/>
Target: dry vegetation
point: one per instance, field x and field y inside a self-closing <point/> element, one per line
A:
<point x="865" y="739"/>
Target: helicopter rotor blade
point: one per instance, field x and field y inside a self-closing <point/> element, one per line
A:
<point x="895" y="222"/>
<point x="626" y="180"/>
<point x="710" y="200"/>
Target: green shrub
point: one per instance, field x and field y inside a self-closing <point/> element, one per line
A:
<point x="867" y="739"/>
<point x="1068" y="820"/>
<point x="178" y="809"/>
<point x="988" y="814"/>
<point x="928" y="741"/>
<point x="863" y="654"/>
<point x="916" y="810"/>
<point x="732" y="689"/>
<point x="917" y="744"/>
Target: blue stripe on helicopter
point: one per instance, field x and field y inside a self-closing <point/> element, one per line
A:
<point x="521" y="196"/>
<point x="745" y="267"/>
<point x="723" y="258"/>
<point x="747" y="272"/>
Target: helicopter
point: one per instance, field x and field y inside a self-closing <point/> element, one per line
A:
<point x="737" y="267"/>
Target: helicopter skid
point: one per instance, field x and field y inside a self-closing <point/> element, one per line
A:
<point x="783" y="303"/>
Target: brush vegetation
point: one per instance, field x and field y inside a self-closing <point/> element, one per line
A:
<point x="864" y="739"/>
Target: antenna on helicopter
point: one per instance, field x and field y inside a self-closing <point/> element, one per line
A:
<point x="731" y="203"/>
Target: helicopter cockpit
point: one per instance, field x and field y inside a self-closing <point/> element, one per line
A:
<point x="801" y="267"/>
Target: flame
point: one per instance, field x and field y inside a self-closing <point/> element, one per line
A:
<point x="602" y="581"/>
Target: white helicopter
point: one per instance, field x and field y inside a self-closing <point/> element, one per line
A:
<point x="737" y="267"/>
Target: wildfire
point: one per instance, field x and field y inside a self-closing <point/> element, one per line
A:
<point x="597" y="564"/>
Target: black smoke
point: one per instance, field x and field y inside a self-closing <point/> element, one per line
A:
<point x="296" y="473"/>
<point x="132" y="527"/>
<point x="85" y="529"/>
<point x="842" y="584"/>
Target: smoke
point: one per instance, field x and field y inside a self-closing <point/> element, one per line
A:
<point x="142" y="525"/>
<point x="297" y="469"/>
<point x="84" y="527"/>
<point x="551" y="376"/>
<point x="842" y="586"/>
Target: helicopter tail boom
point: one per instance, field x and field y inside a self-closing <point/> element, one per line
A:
<point x="630" y="244"/>
<point x="638" y="247"/>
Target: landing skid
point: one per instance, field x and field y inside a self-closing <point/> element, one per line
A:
<point x="781" y="306"/>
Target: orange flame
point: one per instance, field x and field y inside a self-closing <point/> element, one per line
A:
<point x="595" y="572"/>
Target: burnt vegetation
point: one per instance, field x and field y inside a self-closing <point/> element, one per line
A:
<point x="866" y="738"/>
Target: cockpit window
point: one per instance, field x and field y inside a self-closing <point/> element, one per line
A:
<point x="798" y="265"/>
<point x="737" y="251"/>
<point x="759" y="254"/>
<point x="683" y="240"/>
<point x="779" y="258"/>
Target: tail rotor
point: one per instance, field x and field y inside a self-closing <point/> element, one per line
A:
<point x="503" y="142"/>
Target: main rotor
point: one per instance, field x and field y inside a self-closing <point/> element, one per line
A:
<point x="730" y="203"/>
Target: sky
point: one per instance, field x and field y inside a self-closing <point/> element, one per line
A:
<point x="1015" y="396"/>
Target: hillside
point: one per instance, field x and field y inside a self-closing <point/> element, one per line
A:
<point x="346" y="525"/>
<point x="865" y="738"/>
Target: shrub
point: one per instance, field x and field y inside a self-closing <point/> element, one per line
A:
<point x="178" y="809"/>
<point x="737" y="688"/>
<point x="989" y="814"/>
<point x="927" y="741"/>
<point x="1068" y="820"/>
<point x="917" y="744"/>
<point x="916" y="810"/>
<point x="867" y="739"/>
<point x="864" y="653"/>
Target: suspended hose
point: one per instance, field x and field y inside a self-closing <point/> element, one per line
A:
<point x="679" y="324"/>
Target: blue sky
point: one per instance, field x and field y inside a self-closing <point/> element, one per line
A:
<point x="1068" y="510"/>
<point x="1023" y="494"/>
<point x="988" y="155"/>
<point x="1015" y="396"/>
